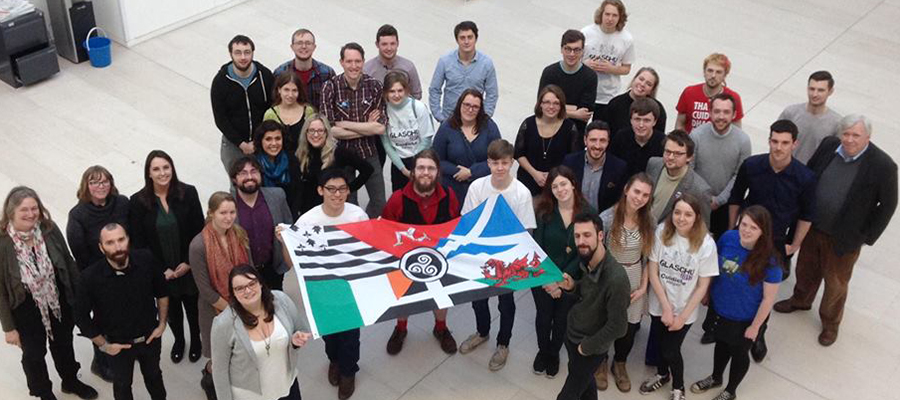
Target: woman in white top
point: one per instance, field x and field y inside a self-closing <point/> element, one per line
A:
<point x="255" y="341"/>
<point x="409" y="129"/>
<point x="628" y="232"/>
<point x="682" y="262"/>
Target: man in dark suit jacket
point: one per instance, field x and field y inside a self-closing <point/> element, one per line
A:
<point x="856" y="197"/>
<point x="259" y="211"/>
<point x="674" y="168"/>
<point x="606" y="173"/>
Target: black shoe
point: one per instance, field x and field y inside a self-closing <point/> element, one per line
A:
<point x="539" y="366"/>
<point x="79" y="389"/>
<point x="177" y="351"/>
<point x="195" y="351"/>
<point x="48" y="396"/>
<point x="759" y="349"/>
<point x="708" y="337"/>
<point x="552" y="366"/>
<point x="104" y="373"/>
<point x="206" y="383"/>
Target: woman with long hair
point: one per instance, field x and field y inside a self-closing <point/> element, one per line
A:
<point x="99" y="203"/>
<point x="317" y="151"/>
<point x="163" y="217"/>
<point x="559" y="203"/>
<point x="410" y="128"/>
<point x="545" y="138"/>
<point x="290" y="108"/>
<point x="743" y="295"/>
<point x="37" y="294"/>
<point x="628" y="232"/>
<point x="256" y="341"/>
<point x="462" y="141"/>
<point x="214" y="252"/>
<point x="644" y="85"/>
<point x="682" y="263"/>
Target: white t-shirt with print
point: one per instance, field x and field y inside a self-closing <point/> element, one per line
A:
<point x="680" y="270"/>
<point x="316" y="216"/>
<point x="617" y="48"/>
<point x="516" y="194"/>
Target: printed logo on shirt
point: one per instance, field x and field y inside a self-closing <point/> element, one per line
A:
<point x="673" y="273"/>
<point x="700" y="115"/>
<point x="730" y="267"/>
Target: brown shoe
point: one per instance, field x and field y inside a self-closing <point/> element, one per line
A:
<point x="787" y="306"/>
<point x="347" y="387"/>
<point x="448" y="343"/>
<point x="395" y="343"/>
<point x="600" y="376"/>
<point x="828" y="337"/>
<point x="620" y="374"/>
<point x="334" y="374"/>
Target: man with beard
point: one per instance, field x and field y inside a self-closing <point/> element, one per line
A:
<point x="259" y="211"/>
<point x="719" y="149"/>
<point x="638" y="143"/>
<point x="601" y="314"/>
<point x="312" y="72"/>
<point x="424" y="201"/>
<point x="693" y="105"/>
<point x="602" y="175"/>
<point x="240" y="97"/>
<point x="673" y="176"/>
<point x="128" y="297"/>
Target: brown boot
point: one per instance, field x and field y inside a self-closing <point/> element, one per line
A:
<point x="828" y="336"/>
<point x="346" y="387"/>
<point x="334" y="374"/>
<point x="600" y="376"/>
<point x="787" y="306"/>
<point x="620" y="374"/>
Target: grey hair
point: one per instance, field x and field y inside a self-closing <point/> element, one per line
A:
<point x="14" y="199"/>
<point x="852" y="119"/>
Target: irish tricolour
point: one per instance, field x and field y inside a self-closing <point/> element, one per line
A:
<point x="358" y="274"/>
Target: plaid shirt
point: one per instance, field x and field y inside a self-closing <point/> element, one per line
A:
<point x="321" y="73"/>
<point x="342" y="103"/>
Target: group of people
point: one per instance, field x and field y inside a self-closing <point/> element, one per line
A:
<point x="641" y="222"/>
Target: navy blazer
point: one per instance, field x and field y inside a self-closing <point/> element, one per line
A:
<point x="872" y="198"/>
<point x="612" y="182"/>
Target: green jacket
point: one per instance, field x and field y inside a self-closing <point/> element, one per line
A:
<point x="600" y="316"/>
<point x="12" y="291"/>
<point x="558" y="241"/>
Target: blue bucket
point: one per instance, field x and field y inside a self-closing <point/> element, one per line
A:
<point x="98" y="48"/>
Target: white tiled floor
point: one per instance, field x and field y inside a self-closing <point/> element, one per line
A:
<point x="155" y="95"/>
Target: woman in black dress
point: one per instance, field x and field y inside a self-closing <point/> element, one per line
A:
<point x="545" y="138"/>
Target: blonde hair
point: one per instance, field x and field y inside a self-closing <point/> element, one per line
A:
<point x="215" y="201"/>
<point x="327" y="149"/>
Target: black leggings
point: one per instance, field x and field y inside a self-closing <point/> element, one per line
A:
<point x="670" y="352"/>
<point x="731" y="345"/>
<point x="176" y="318"/>
<point x="624" y="344"/>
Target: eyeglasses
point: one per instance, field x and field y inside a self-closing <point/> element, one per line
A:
<point x="315" y="131"/>
<point x="425" y="168"/>
<point x="335" y="190"/>
<point x="670" y="153"/>
<point x="250" y="287"/>
<point x="98" y="183"/>
<point x="572" y="50"/>
<point x="304" y="44"/>
<point x="471" y="107"/>
<point x="247" y="174"/>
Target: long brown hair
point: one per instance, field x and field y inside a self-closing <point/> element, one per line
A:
<point x="266" y="297"/>
<point x="698" y="231"/>
<point x="762" y="252"/>
<point x="146" y="195"/>
<point x="645" y="220"/>
<point x="95" y="172"/>
<point x="547" y="202"/>
<point x="284" y="79"/>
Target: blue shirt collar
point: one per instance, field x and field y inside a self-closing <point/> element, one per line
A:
<point x="840" y="151"/>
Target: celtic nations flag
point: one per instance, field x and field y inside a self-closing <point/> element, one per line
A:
<point x="358" y="274"/>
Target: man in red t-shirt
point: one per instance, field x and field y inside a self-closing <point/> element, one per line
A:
<point x="423" y="201"/>
<point x="693" y="105"/>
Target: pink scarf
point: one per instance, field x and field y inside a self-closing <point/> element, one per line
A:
<point x="38" y="275"/>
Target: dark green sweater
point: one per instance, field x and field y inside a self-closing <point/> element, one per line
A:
<point x="558" y="240"/>
<point x="600" y="316"/>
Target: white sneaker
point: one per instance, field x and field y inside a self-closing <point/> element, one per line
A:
<point x="677" y="394"/>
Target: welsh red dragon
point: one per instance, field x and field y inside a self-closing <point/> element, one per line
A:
<point x="519" y="269"/>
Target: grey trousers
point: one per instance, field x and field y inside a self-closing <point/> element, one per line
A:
<point x="229" y="153"/>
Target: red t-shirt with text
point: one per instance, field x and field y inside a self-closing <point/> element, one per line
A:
<point x="695" y="105"/>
